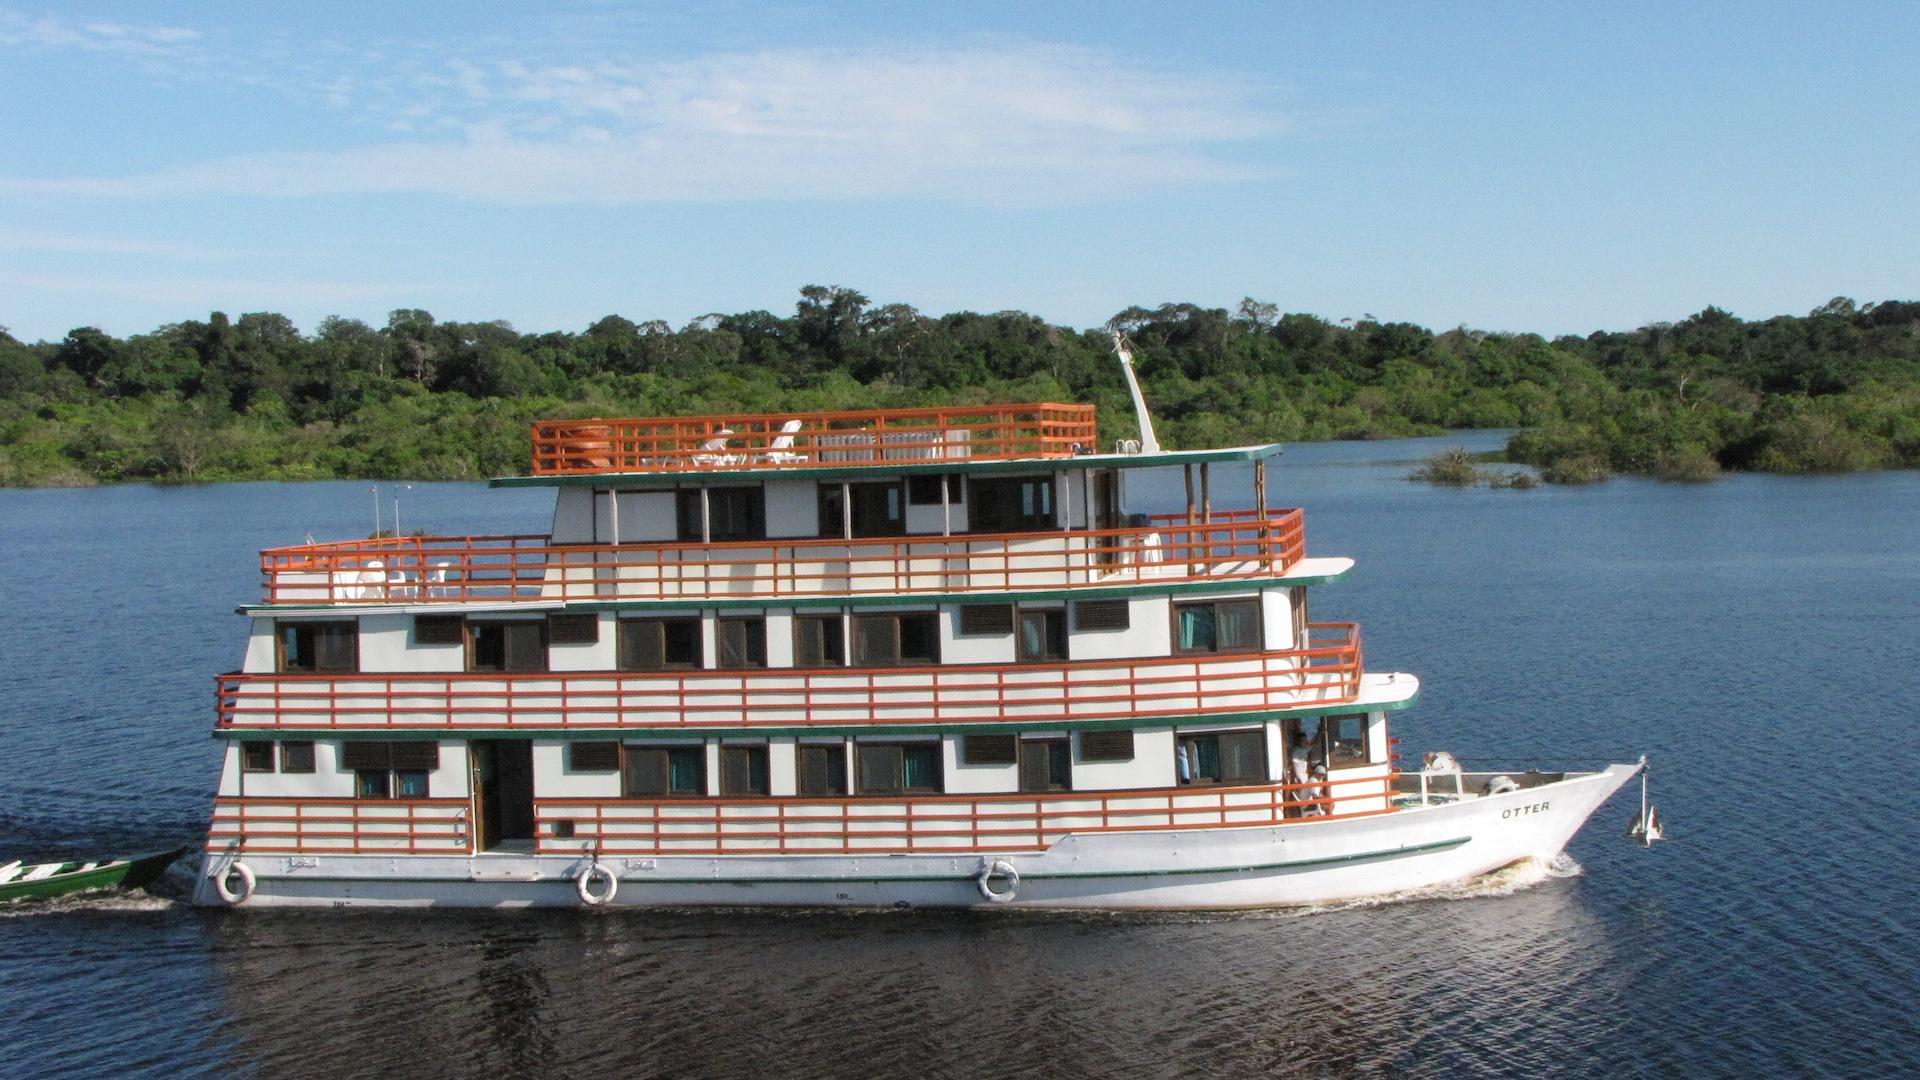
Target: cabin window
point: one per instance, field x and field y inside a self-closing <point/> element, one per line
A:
<point x="593" y="757"/>
<point x="1045" y="765"/>
<point x="1011" y="504"/>
<point x="1344" y="740"/>
<point x="390" y="770"/>
<point x="659" y="644"/>
<point x="819" y="641"/>
<point x="319" y="647"/>
<point x="256" y="757"/>
<point x="439" y="630"/>
<point x="986" y="619"/>
<point x="742" y="642"/>
<point x="1102" y="615"/>
<point x="899" y="768"/>
<point x="1106" y="745"/>
<point x="296" y="756"/>
<point x="1043" y="634"/>
<point x="823" y="769"/>
<point x="507" y="646"/>
<point x="733" y="513"/>
<point x="666" y="772"/>
<point x="743" y="771"/>
<point x="573" y="629"/>
<point x="988" y="749"/>
<point x="872" y="509"/>
<point x="925" y="490"/>
<point x="1217" y="626"/>
<point x="887" y="640"/>
<point x="1222" y="757"/>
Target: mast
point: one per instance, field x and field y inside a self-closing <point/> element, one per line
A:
<point x="1148" y="443"/>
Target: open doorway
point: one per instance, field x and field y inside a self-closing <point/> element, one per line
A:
<point x="503" y="794"/>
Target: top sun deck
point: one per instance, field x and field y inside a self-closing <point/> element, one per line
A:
<point x="682" y="444"/>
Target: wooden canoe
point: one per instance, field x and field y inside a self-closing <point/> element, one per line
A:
<point x="18" y="882"/>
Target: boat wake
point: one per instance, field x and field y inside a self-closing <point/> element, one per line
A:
<point x="1506" y="881"/>
<point x="88" y="904"/>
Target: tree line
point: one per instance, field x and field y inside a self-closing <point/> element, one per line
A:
<point x="254" y="398"/>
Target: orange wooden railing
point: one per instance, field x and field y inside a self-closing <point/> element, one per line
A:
<point x="1328" y="672"/>
<point x="1236" y="544"/>
<point x="938" y="824"/>
<point x="274" y="825"/>
<point x="781" y="440"/>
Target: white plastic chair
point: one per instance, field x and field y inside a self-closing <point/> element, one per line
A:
<point x="713" y="451"/>
<point x="780" y="450"/>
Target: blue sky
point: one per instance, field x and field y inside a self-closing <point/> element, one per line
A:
<point x="1558" y="168"/>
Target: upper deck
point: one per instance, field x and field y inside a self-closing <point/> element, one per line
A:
<point x="878" y="437"/>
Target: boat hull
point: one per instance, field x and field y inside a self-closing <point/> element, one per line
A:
<point x="1297" y="863"/>
<point x="118" y="874"/>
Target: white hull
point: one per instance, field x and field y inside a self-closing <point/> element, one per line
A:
<point x="1298" y="863"/>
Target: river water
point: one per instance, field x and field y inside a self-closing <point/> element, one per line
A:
<point x="1759" y="638"/>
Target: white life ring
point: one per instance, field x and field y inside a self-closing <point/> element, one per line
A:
<point x="996" y="868"/>
<point x="584" y="885"/>
<point x="234" y="897"/>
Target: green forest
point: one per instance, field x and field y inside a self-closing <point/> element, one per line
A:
<point x="252" y="397"/>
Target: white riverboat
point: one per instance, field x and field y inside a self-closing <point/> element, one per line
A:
<point x="922" y="657"/>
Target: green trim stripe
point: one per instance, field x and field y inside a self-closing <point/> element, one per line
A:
<point x="691" y="734"/>
<point x="1098" y="592"/>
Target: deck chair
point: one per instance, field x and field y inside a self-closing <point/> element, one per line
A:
<point x="714" y="450"/>
<point x="780" y="450"/>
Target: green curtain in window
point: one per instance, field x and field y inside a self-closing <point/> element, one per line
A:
<point x="683" y="772"/>
<point x="922" y="767"/>
<point x="1196" y="627"/>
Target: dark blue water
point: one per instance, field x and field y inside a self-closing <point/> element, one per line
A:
<point x="1758" y="637"/>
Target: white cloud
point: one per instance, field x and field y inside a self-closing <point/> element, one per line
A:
<point x="21" y="31"/>
<point x="241" y="294"/>
<point x="13" y="240"/>
<point x="1012" y="121"/>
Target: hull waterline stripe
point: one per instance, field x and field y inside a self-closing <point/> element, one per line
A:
<point x="1296" y="864"/>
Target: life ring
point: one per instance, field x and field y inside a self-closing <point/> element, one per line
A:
<point x="1501" y="785"/>
<point x="996" y="868"/>
<point x="234" y="897"/>
<point x="584" y="885"/>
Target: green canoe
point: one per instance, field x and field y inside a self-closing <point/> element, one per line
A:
<point x="19" y="882"/>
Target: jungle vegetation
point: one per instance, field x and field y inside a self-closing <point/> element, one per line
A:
<point x="253" y="397"/>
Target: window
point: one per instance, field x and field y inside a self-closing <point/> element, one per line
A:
<point x="1106" y="745"/>
<point x="390" y="770"/>
<point x="1224" y="757"/>
<point x="507" y="646"/>
<point x="319" y="647"/>
<point x="1344" y="740"/>
<point x="819" y="641"/>
<point x="823" y="769"/>
<point x="439" y="630"/>
<point x="1011" y="504"/>
<point x="573" y="629"/>
<point x="743" y="770"/>
<point x="669" y="772"/>
<point x="925" y="490"/>
<point x="987" y="750"/>
<point x="296" y="757"/>
<point x="658" y="644"/>
<point x="1043" y="634"/>
<point x="256" y="757"/>
<point x="1045" y="765"/>
<point x="1102" y="615"/>
<point x="593" y="757"/>
<point x="886" y="640"/>
<point x="986" y="618"/>
<point x="899" y="769"/>
<point x="1217" y="626"/>
<point x="877" y="509"/>
<point x="733" y="513"/>
<point x="742" y="642"/>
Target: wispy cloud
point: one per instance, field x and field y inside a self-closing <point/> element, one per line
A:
<point x="47" y="33"/>
<point x="235" y="294"/>
<point x="13" y="240"/>
<point x="1002" y="121"/>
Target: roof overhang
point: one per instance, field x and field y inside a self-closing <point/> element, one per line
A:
<point x="1162" y="459"/>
